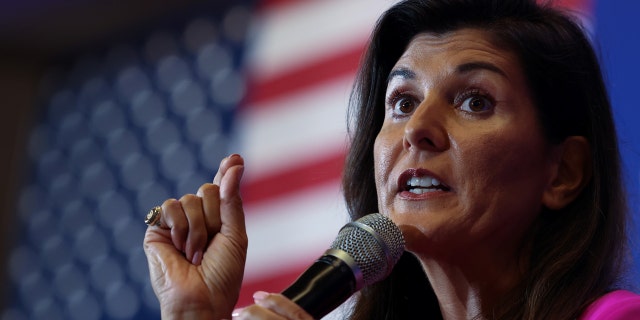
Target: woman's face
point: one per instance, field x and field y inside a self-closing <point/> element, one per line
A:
<point x="460" y="161"/>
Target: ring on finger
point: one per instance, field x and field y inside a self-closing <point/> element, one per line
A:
<point x="153" y="217"/>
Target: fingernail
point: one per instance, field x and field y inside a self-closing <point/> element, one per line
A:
<point x="229" y="157"/>
<point x="259" y="295"/>
<point x="236" y="312"/>
<point x="197" y="258"/>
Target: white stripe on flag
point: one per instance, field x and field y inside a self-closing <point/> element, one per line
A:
<point x="294" y="129"/>
<point x="290" y="36"/>
<point x="289" y="233"/>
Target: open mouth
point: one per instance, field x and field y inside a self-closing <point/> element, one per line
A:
<point x="412" y="181"/>
<point x="420" y="185"/>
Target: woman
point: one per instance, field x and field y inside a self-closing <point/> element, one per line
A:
<point x="483" y="129"/>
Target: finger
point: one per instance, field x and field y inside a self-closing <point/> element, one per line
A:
<point x="280" y="305"/>
<point x="231" y="211"/>
<point x="197" y="234"/>
<point x="255" y="312"/>
<point x="225" y="164"/>
<point x="210" y="194"/>
<point x="174" y="218"/>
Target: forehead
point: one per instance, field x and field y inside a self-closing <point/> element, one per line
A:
<point x="428" y="50"/>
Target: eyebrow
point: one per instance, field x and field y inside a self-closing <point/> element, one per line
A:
<point x="401" y="73"/>
<point x="463" y="68"/>
<point x="477" y="65"/>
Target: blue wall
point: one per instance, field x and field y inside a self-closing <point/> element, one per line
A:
<point x="617" y="30"/>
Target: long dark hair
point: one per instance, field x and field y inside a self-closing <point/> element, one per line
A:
<point x="578" y="252"/>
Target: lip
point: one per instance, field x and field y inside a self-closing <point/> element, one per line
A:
<point x="419" y="172"/>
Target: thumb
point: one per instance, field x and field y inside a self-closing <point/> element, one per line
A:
<point x="231" y="211"/>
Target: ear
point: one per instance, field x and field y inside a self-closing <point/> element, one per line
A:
<point x="572" y="172"/>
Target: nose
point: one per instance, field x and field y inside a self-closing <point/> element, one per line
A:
<point x="426" y="128"/>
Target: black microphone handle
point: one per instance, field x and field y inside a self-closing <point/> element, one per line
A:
<point x="323" y="287"/>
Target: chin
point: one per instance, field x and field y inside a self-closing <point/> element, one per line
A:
<point x="415" y="239"/>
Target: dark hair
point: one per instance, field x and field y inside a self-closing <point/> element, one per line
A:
<point x="577" y="252"/>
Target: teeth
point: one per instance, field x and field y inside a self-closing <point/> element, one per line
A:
<point x="423" y="182"/>
<point x="421" y="191"/>
<point x="420" y="185"/>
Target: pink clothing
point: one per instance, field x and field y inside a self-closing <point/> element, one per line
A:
<point x="615" y="305"/>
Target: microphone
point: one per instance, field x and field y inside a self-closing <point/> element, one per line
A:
<point x="363" y="253"/>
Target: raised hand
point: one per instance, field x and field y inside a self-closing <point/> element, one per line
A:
<point x="197" y="254"/>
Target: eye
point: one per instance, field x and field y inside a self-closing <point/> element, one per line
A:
<point x="475" y="102"/>
<point x="401" y="104"/>
<point x="404" y="106"/>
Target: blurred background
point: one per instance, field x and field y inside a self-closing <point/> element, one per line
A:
<point x="109" y="109"/>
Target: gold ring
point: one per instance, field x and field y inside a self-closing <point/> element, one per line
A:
<point x="153" y="217"/>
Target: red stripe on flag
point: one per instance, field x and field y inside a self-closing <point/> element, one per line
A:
<point x="308" y="174"/>
<point x="312" y="74"/>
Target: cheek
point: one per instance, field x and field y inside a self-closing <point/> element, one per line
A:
<point x="384" y="154"/>
<point x="505" y="165"/>
<point x="380" y="159"/>
<point x="519" y="158"/>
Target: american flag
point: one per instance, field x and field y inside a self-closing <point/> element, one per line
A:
<point x="293" y="132"/>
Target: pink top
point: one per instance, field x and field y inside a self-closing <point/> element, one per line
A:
<point x="615" y="305"/>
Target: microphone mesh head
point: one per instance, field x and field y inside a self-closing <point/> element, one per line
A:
<point x="374" y="242"/>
